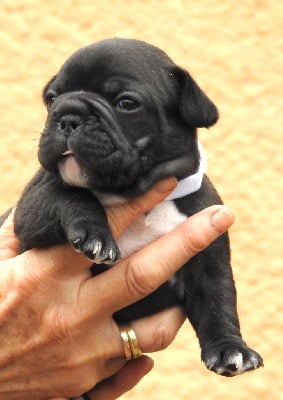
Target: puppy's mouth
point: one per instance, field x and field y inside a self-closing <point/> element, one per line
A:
<point x="107" y="174"/>
<point x="101" y="170"/>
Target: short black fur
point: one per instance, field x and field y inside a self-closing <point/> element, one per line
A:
<point x="122" y="115"/>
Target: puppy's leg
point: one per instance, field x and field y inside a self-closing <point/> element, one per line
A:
<point x="210" y="302"/>
<point x="50" y="213"/>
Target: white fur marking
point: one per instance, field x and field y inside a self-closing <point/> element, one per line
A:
<point x="237" y="360"/>
<point x="234" y="359"/>
<point x="161" y="219"/>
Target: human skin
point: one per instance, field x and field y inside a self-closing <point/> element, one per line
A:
<point x="58" y="337"/>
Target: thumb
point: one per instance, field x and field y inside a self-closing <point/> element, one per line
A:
<point x="123" y="381"/>
<point x="121" y="215"/>
<point x="9" y="243"/>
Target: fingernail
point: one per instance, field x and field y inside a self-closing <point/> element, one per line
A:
<point x="222" y="218"/>
<point x="166" y="185"/>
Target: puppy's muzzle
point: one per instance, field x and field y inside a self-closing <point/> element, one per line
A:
<point x="72" y="110"/>
<point x="83" y="140"/>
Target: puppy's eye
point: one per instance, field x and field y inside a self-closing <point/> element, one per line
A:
<point x="127" y="104"/>
<point x="49" y="98"/>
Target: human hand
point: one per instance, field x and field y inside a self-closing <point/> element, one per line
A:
<point x="33" y="288"/>
<point x="63" y="345"/>
<point x="158" y="331"/>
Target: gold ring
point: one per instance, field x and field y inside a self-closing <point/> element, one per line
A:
<point x="131" y="345"/>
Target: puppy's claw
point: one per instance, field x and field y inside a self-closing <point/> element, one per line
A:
<point x="102" y="254"/>
<point x="97" y="248"/>
<point x="114" y="255"/>
<point x="76" y="244"/>
<point x="111" y="254"/>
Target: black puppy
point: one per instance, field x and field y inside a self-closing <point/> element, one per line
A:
<point x="122" y="115"/>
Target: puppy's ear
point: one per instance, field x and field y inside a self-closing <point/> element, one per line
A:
<point x="195" y="107"/>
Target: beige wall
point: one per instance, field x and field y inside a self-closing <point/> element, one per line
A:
<point x="235" y="52"/>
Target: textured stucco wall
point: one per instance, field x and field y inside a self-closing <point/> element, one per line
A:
<point x="235" y="52"/>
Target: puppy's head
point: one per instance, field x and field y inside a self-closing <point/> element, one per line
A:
<point x="122" y="115"/>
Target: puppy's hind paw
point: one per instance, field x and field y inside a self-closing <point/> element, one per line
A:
<point x="231" y="360"/>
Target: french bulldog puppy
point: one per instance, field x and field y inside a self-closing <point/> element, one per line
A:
<point x="121" y="116"/>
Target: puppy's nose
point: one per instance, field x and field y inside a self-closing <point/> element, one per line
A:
<point x="69" y="123"/>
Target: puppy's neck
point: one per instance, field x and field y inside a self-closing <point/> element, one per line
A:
<point x="186" y="186"/>
<point x="191" y="183"/>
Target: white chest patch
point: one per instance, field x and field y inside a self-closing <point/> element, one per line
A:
<point x="161" y="219"/>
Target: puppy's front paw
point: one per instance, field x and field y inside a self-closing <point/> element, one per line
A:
<point x="231" y="359"/>
<point x="94" y="241"/>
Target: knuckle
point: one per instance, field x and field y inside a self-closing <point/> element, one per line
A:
<point x="138" y="281"/>
<point x="59" y="324"/>
<point x="30" y="279"/>
<point x="162" y="337"/>
<point x="136" y="207"/>
<point x="194" y="242"/>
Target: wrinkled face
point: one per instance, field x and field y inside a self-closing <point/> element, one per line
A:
<point x="115" y="121"/>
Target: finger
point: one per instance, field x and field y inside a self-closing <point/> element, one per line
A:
<point x="9" y="244"/>
<point x="58" y="261"/>
<point x="142" y="273"/>
<point x="58" y="398"/>
<point x="154" y="333"/>
<point x="123" y="381"/>
<point x="120" y="216"/>
<point x="158" y="331"/>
